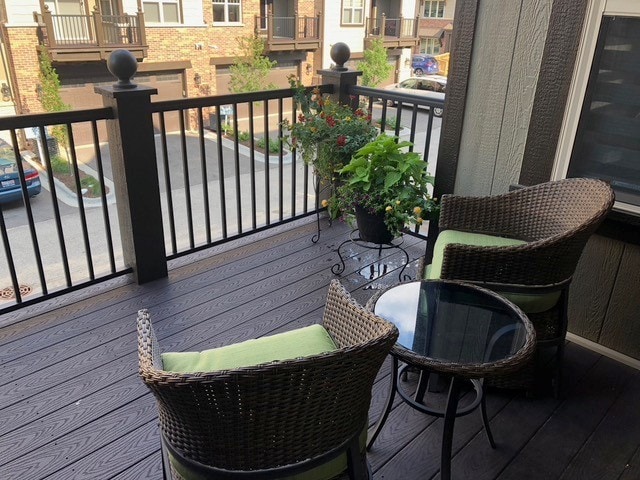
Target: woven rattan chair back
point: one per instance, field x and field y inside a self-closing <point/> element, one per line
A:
<point x="556" y="220"/>
<point x="276" y="414"/>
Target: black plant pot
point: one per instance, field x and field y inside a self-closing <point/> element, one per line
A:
<point x="372" y="227"/>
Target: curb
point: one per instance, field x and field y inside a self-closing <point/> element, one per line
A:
<point x="244" y="150"/>
<point x="63" y="193"/>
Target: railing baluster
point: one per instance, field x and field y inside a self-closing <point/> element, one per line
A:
<point x="167" y="182"/>
<point x="237" y="168"/>
<point x="414" y="122"/>
<point x="294" y="187"/>
<point x="56" y="210"/>
<point x="9" y="256"/>
<point x="427" y="142"/>
<point x="185" y="171"/>
<point x="27" y="204"/>
<point x="280" y="163"/>
<point x="252" y="166"/>
<point x="267" y="186"/>
<point x="103" y="195"/>
<point x="81" y="210"/>
<point x="223" y="197"/>
<point x="205" y="177"/>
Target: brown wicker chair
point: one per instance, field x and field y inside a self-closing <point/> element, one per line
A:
<point x="554" y="220"/>
<point x="276" y="419"/>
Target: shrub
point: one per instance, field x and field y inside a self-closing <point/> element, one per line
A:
<point x="60" y="166"/>
<point x="274" y="144"/>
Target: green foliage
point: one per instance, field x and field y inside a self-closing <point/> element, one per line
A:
<point x="60" y="166"/>
<point x="327" y="133"/>
<point x="274" y="144"/>
<point x="92" y="185"/>
<point x="51" y="99"/>
<point x="375" y="66"/>
<point x="227" y="130"/>
<point x="244" y="136"/>
<point x="250" y="69"/>
<point x="383" y="177"/>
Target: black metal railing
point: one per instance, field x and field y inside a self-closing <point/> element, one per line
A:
<point x="232" y="186"/>
<point x="216" y="184"/>
<point x="63" y="238"/>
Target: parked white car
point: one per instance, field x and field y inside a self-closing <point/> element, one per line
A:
<point x="433" y="86"/>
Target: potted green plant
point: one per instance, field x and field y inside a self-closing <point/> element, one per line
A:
<point x="386" y="188"/>
<point x="326" y="133"/>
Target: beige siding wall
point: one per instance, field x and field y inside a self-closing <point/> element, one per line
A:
<point x="506" y="59"/>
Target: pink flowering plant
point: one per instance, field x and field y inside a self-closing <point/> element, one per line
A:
<point x="326" y="133"/>
<point x="385" y="178"/>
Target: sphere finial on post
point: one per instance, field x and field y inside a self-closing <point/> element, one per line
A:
<point x="122" y="65"/>
<point x="340" y="54"/>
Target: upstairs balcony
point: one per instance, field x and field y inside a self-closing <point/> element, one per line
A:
<point x="394" y="32"/>
<point x="289" y="33"/>
<point x="81" y="38"/>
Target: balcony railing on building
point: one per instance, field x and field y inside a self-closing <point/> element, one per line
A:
<point x="394" y="32"/>
<point x="289" y="33"/>
<point x="91" y="37"/>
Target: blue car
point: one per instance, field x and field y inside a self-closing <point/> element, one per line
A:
<point x="10" y="190"/>
<point x="422" y="64"/>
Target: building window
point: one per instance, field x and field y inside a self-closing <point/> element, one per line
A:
<point x="607" y="142"/>
<point x="352" y="12"/>
<point x="430" y="46"/>
<point x="227" y="11"/>
<point x="161" y="11"/>
<point x="434" y="9"/>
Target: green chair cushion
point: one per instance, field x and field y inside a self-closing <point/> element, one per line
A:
<point x="302" y="342"/>
<point x="327" y="471"/>
<point x="529" y="303"/>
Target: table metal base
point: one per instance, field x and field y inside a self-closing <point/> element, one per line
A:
<point x="354" y="237"/>
<point x="450" y="413"/>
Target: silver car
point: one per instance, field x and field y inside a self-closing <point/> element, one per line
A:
<point x="427" y="85"/>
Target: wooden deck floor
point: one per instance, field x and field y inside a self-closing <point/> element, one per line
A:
<point x="72" y="407"/>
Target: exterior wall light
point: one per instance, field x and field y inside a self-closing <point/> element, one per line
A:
<point x="6" y="92"/>
<point x="197" y="78"/>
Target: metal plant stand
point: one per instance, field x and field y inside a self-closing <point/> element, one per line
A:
<point x="354" y="237"/>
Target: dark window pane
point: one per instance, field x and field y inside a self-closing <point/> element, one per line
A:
<point x="607" y="142"/>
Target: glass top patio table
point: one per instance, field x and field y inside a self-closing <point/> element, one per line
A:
<point x="454" y="328"/>
<point x="457" y="329"/>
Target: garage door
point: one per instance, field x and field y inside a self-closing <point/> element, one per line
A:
<point x="80" y="94"/>
<point x="278" y="76"/>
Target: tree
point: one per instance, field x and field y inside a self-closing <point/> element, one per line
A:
<point x="250" y="69"/>
<point x="51" y="100"/>
<point x="375" y="66"/>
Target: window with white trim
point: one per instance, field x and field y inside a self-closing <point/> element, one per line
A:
<point x="227" y="11"/>
<point x="433" y="9"/>
<point x="430" y="46"/>
<point x="352" y="12"/>
<point x="601" y="137"/>
<point x="162" y="11"/>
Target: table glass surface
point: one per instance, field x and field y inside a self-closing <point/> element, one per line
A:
<point x="451" y="322"/>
